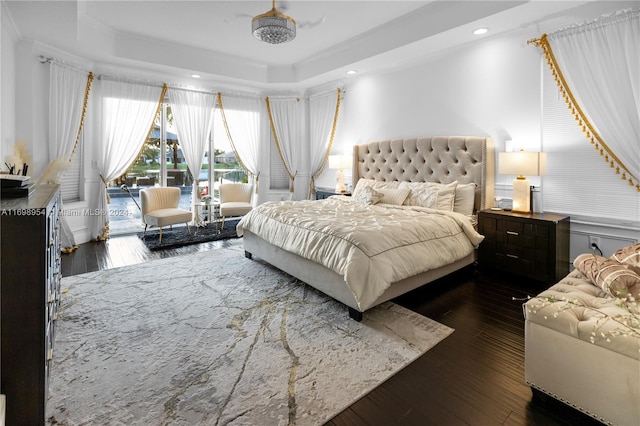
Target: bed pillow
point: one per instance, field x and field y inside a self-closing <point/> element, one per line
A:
<point x="465" y="197"/>
<point x="395" y="196"/>
<point x="372" y="183"/>
<point x="368" y="195"/>
<point x="615" y="278"/>
<point x="432" y="195"/>
<point x="629" y="256"/>
<point x="362" y="183"/>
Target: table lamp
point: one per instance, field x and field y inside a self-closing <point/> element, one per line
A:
<point x="340" y="162"/>
<point x="522" y="163"/>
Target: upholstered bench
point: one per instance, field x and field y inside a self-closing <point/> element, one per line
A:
<point x="582" y="346"/>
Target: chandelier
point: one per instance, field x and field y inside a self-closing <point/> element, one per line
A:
<point x="273" y="27"/>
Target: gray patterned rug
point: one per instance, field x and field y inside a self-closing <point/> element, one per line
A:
<point x="214" y="338"/>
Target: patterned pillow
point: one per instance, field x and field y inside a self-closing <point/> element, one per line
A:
<point x="615" y="278"/>
<point x="368" y="195"/>
<point x="395" y="196"/>
<point x="432" y="195"/>
<point x="629" y="256"/>
<point x="362" y="183"/>
<point x="375" y="184"/>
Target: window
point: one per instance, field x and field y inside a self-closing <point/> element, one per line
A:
<point x="578" y="181"/>
<point x="279" y="179"/>
<point x="70" y="187"/>
<point x="223" y="162"/>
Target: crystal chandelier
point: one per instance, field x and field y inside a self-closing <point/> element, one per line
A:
<point x="274" y="27"/>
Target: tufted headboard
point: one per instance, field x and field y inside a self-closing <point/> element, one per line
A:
<point x="442" y="159"/>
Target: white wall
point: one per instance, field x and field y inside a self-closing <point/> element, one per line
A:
<point x="490" y="88"/>
<point x="7" y="84"/>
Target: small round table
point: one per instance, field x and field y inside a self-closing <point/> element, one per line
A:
<point x="207" y="213"/>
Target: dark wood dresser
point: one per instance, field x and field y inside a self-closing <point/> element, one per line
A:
<point x="30" y="292"/>
<point x="531" y="245"/>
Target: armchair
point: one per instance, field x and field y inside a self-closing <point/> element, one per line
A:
<point x="235" y="199"/>
<point x="159" y="206"/>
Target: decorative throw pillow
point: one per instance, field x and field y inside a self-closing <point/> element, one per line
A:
<point x="432" y="195"/>
<point x="629" y="256"/>
<point x="613" y="277"/>
<point x="465" y="198"/>
<point x="372" y="183"/>
<point x="394" y="196"/>
<point x="362" y="183"/>
<point x="368" y="195"/>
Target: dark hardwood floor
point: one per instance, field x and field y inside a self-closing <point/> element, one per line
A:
<point x="473" y="377"/>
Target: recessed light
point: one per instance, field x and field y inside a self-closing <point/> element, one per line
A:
<point x="195" y="75"/>
<point x="480" y="31"/>
<point x="351" y="72"/>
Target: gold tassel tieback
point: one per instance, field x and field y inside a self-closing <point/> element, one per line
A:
<point x="587" y="128"/>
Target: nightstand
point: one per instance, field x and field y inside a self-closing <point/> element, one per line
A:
<point x="326" y="193"/>
<point x="530" y="245"/>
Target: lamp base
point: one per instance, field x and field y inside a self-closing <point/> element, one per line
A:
<point x="340" y="181"/>
<point x="521" y="195"/>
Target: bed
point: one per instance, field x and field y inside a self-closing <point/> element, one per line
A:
<point x="376" y="245"/>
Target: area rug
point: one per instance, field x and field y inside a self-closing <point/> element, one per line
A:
<point x="178" y="236"/>
<point x="214" y="338"/>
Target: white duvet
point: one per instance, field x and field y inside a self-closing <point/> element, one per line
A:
<point x="372" y="246"/>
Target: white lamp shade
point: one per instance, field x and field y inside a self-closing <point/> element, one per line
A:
<point x="340" y="161"/>
<point x="522" y="163"/>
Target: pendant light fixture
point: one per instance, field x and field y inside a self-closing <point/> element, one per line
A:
<point x="273" y="27"/>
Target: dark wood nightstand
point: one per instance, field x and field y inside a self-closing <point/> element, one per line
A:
<point x="322" y="193"/>
<point x="531" y="245"/>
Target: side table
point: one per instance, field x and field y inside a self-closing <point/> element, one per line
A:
<point x="530" y="245"/>
<point x="322" y="193"/>
<point x="207" y="213"/>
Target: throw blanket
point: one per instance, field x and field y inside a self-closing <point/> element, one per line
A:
<point x="372" y="246"/>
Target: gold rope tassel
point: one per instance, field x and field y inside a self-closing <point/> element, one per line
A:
<point x="87" y="90"/>
<point x="585" y="125"/>
<point x="106" y="185"/>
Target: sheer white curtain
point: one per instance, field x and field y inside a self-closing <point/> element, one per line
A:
<point x="599" y="62"/>
<point x="68" y="93"/>
<point x="323" y="119"/>
<point x="193" y="117"/>
<point x="285" y="115"/>
<point x="128" y="112"/>
<point x="241" y="116"/>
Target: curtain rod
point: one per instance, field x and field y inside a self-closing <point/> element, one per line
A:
<point x="193" y="89"/>
<point x="51" y="60"/>
<point x="130" y="80"/>
<point x="308" y="97"/>
<point x="327" y="92"/>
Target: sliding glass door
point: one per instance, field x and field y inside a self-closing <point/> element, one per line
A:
<point x="161" y="163"/>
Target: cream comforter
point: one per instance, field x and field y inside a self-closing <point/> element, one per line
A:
<point x="372" y="246"/>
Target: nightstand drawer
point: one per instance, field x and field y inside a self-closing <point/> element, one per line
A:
<point x="531" y="235"/>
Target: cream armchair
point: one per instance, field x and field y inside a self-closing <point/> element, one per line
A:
<point x="235" y="199"/>
<point x="159" y="206"/>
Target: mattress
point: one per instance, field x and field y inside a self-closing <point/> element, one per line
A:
<point x="371" y="246"/>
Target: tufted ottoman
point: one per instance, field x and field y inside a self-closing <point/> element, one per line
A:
<point x="578" y="350"/>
